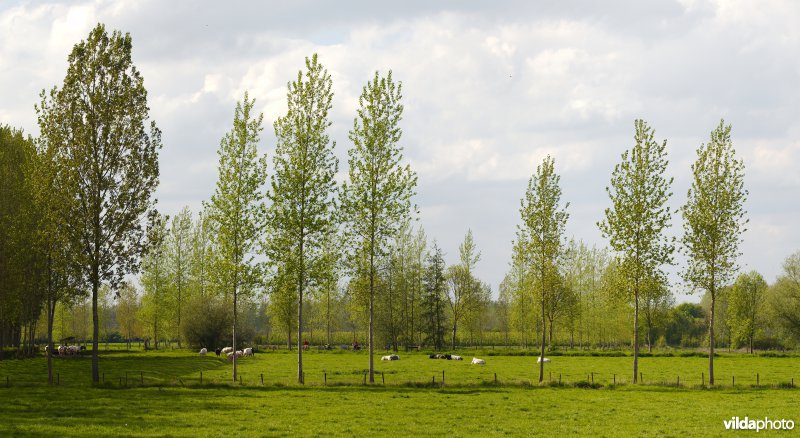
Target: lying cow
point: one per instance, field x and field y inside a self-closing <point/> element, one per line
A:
<point x="454" y="357"/>
<point x="476" y="361"/>
<point x="391" y="357"/>
<point x="540" y="360"/>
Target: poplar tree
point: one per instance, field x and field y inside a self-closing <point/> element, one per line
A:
<point x="303" y="186"/>
<point x="236" y="208"/>
<point x="155" y="279"/>
<point x="110" y="159"/>
<point x="377" y="200"/>
<point x="635" y="223"/>
<point x="714" y="221"/>
<point x="745" y="301"/>
<point x="179" y="251"/>
<point x="464" y="291"/>
<point x="59" y="252"/>
<point x="543" y="224"/>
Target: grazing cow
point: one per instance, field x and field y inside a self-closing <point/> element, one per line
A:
<point x="227" y="350"/>
<point x="476" y="361"/>
<point x="454" y="357"/>
<point x="247" y="352"/>
<point x="203" y="351"/>
<point x="218" y="351"/>
<point x="539" y="360"/>
<point x="238" y="354"/>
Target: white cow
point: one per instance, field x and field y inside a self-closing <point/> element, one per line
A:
<point x="238" y="354"/>
<point x="247" y="352"/>
<point x="476" y="361"/>
<point x="227" y="350"/>
<point x="391" y="357"/>
<point x="539" y="360"/>
<point x="203" y="351"/>
<point x="454" y="357"/>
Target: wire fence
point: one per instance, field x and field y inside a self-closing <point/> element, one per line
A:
<point x="213" y="378"/>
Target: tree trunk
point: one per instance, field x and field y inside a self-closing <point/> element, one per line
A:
<point x="95" y="323"/>
<point x="50" y="316"/>
<point x="233" y="332"/>
<point x="544" y="333"/>
<point x="328" y="321"/>
<point x="711" y="340"/>
<point x="371" y="310"/>
<point x="636" y="336"/>
<point x="550" y="336"/>
<point x="453" y="344"/>
<point x="300" y="332"/>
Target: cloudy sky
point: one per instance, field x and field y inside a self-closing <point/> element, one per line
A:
<point x="490" y="88"/>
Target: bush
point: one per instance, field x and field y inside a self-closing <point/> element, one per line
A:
<point x="207" y="324"/>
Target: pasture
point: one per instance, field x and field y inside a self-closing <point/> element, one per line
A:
<point x="163" y="395"/>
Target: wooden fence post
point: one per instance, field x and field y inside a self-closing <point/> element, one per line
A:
<point x="758" y="380"/>
<point x="702" y="379"/>
<point x="262" y="378"/>
<point x="615" y="379"/>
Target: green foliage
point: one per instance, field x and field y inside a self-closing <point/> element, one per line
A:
<point x="745" y="302"/>
<point x="236" y="208"/>
<point x="541" y="237"/>
<point x="376" y="201"/>
<point x="179" y="253"/>
<point x="155" y="311"/>
<point x="784" y="300"/>
<point x="206" y="323"/>
<point x="303" y="187"/>
<point x="97" y="123"/>
<point x="433" y="300"/>
<point x="714" y="220"/>
<point x="635" y="223"/>
<point x="464" y="291"/>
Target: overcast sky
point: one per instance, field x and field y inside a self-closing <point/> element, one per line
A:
<point x="490" y="88"/>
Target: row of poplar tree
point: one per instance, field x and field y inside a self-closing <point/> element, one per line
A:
<point x="83" y="217"/>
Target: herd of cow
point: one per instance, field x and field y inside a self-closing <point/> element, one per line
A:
<point x="65" y="350"/>
<point x="229" y="353"/>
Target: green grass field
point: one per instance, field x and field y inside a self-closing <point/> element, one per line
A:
<point x="163" y="396"/>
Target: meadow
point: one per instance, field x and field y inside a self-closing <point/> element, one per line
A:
<point x="161" y="393"/>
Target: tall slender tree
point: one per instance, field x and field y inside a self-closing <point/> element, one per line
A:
<point x="464" y="291"/>
<point x="155" y="281"/>
<point x="714" y="221"/>
<point x="179" y="251"/>
<point x="543" y="223"/>
<point x="377" y="200"/>
<point x="111" y="161"/>
<point x="57" y="248"/>
<point x="639" y="214"/>
<point x="237" y="209"/>
<point x="745" y="301"/>
<point x="303" y="187"/>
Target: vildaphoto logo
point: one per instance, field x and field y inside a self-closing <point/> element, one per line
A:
<point x="746" y="423"/>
